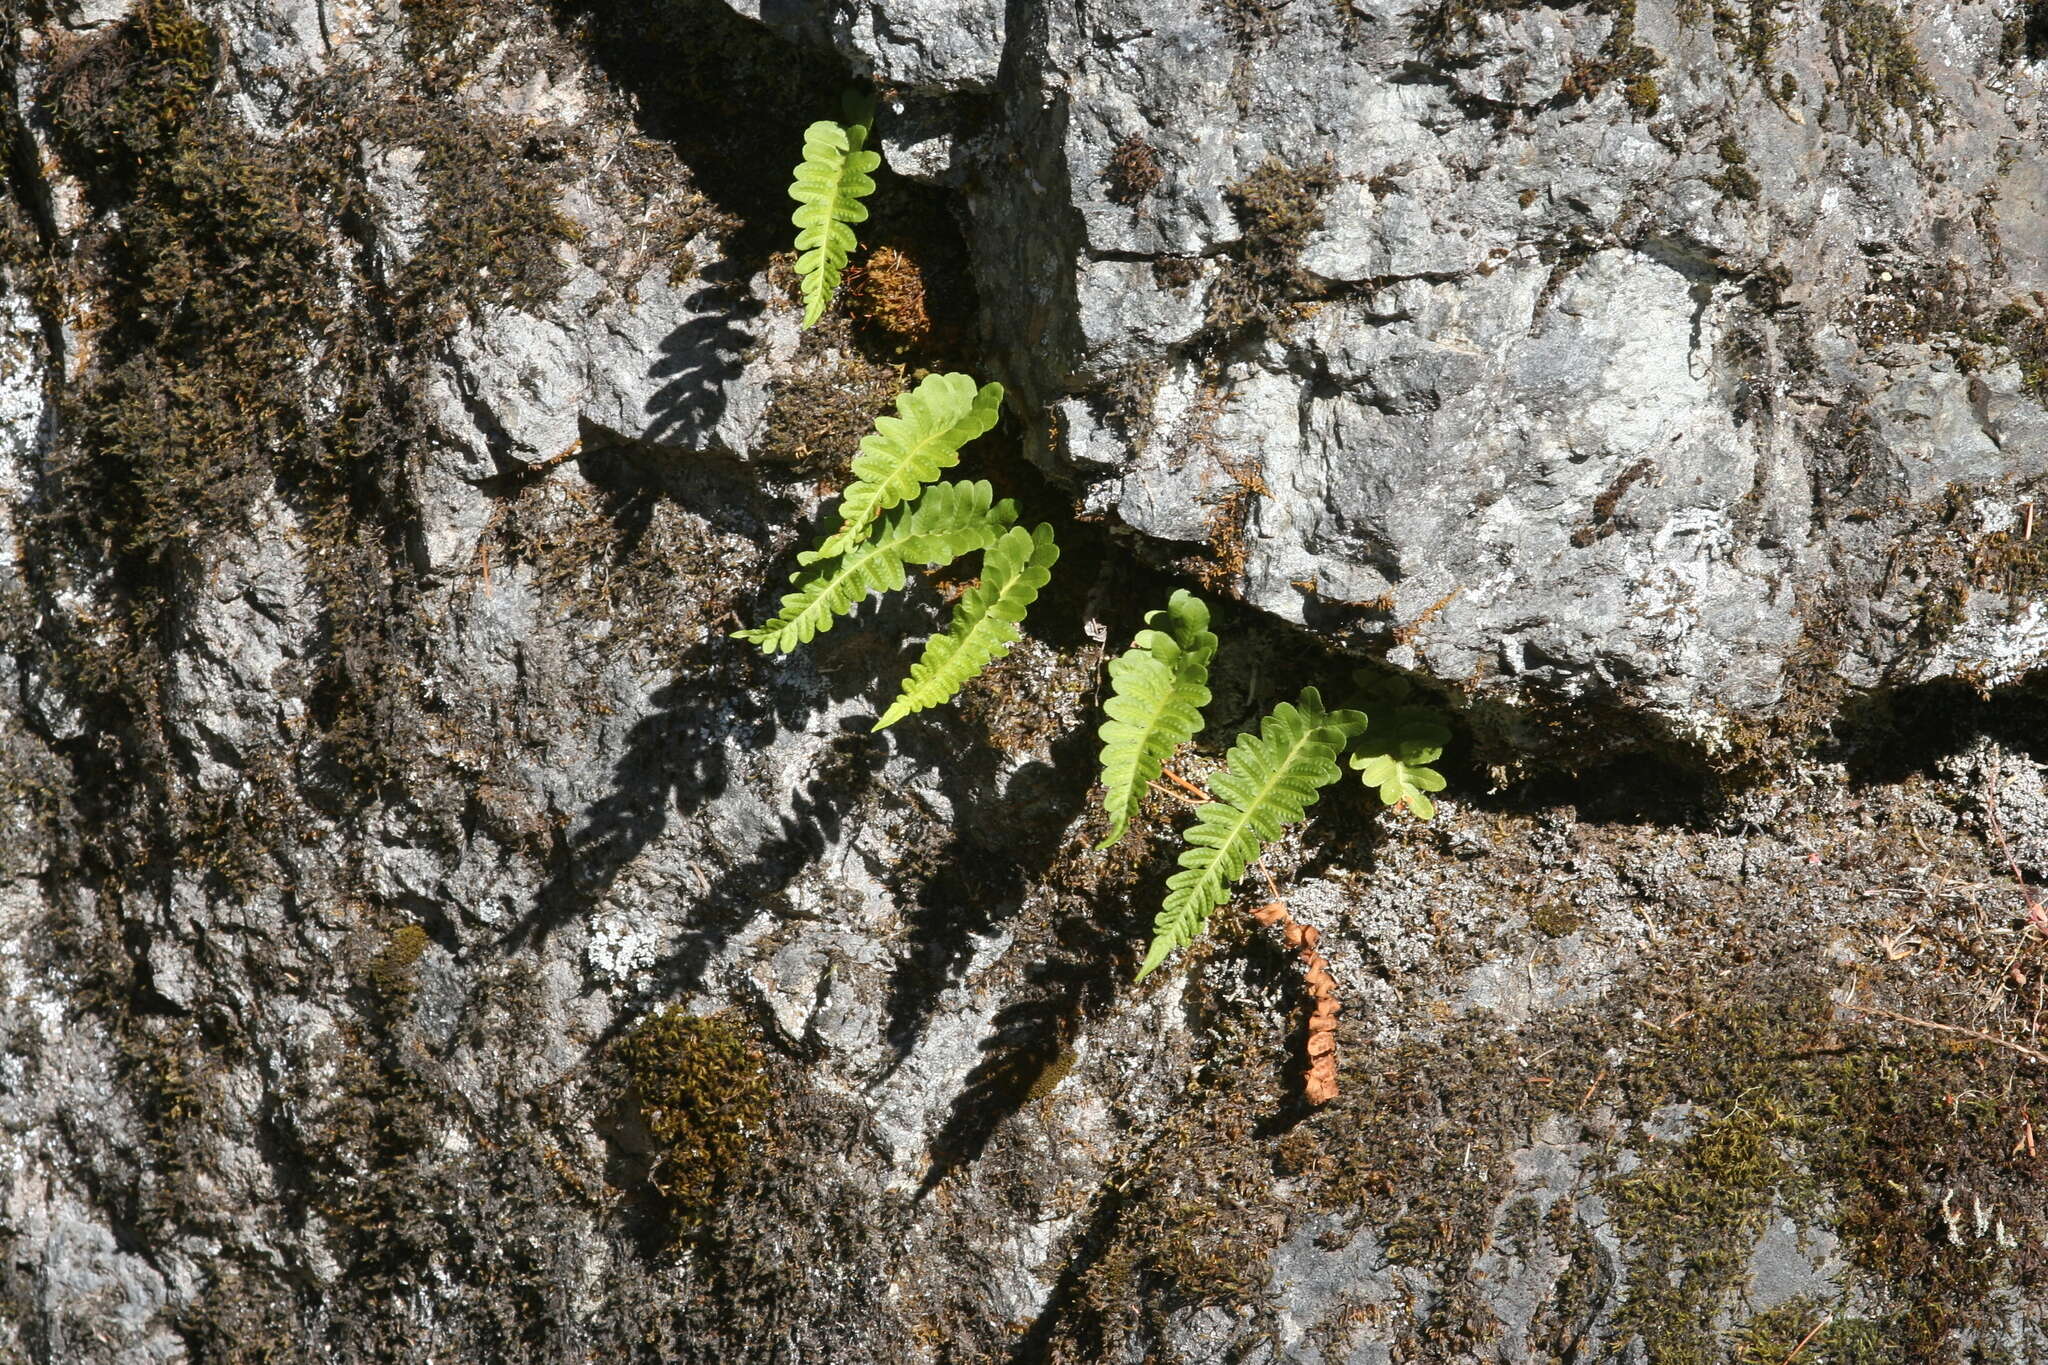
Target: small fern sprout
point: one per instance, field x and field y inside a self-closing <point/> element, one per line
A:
<point x="950" y="520"/>
<point x="909" y="450"/>
<point x="984" y="624"/>
<point x="830" y="182"/>
<point x="1393" y="757"/>
<point x="1158" y="688"/>
<point x="1270" y="781"/>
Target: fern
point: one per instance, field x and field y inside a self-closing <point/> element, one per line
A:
<point x="1158" y="688"/>
<point x="947" y="522"/>
<point x="1271" y="781"/>
<point x="984" y="623"/>
<point x="830" y="182"/>
<point x="1395" y="754"/>
<point x="907" y="451"/>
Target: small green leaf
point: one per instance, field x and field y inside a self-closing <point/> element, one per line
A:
<point x="1271" y="780"/>
<point x="947" y="522"/>
<point x="1395" y="755"/>
<point x="909" y="450"/>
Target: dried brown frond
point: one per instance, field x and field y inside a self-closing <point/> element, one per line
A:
<point x="1319" y="1084"/>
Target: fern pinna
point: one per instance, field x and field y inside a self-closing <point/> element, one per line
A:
<point x="1271" y="780"/>
<point x="909" y="450"/>
<point x="1394" y="756"/>
<point x="950" y="520"/>
<point x="830" y="182"/>
<point x="1158" y="688"/>
<point x="984" y="624"/>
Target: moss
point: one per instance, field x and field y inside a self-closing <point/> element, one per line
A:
<point x="2020" y="329"/>
<point x="1735" y="179"/>
<point x="2025" y="34"/>
<point x="1907" y="303"/>
<point x="1795" y="1109"/>
<point x="492" y="219"/>
<point x="1262" y="286"/>
<point x="1132" y="172"/>
<point x="702" y="1091"/>
<point x="1815" y="1333"/>
<point x="819" y="414"/>
<point x="1883" y="84"/>
<point x="1620" y="60"/>
<point x="887" y="289"/>
<point x="1693" y="1215"/>
<point x="625" y="569"/>
<point x="1131" y="394"/>
<point x="1556" y="917"/>
<point x="1176" y="272"/>
<point x="392" y="970"/>
<point x="1193" y="1223"/>
<point x="1026" y="701"/>
<point x="243" y="1316"/>
<point x="1441" y="29"/>
<point x="2007" y="562"/>
<point x="1251" y="23"/>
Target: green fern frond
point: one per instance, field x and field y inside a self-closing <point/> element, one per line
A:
<point x="947" y="522"/>
<point x="1395" y="755"/>
<point x="1400" y="780"/>
<point x="984" y="623"/>
<point x="908" y="450"/>
<point x="1272" y="779"/>
<point x="1158" y="688"/>
<point x="830" y="182"/>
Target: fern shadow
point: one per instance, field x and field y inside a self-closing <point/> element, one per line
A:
<point x="1030" y="1040"/>
<point x="1005" y="835"/>
<point x="677" y="758"/>
<point x="701" y="357"/>
<point x="812" y="824"/>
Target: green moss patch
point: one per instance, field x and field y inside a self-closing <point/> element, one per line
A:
<point x="702" y="1092"/>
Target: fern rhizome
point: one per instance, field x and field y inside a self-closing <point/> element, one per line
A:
<point x="895" y="514"/>
<point x="830" y="183"/>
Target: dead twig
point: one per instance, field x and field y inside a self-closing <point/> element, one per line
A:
<point x="2032" y="1054"/>
<point x="1825" y="1319"/>
<point x="1201" y="797"/>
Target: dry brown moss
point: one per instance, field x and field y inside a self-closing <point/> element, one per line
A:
<point x="1132" y="172"/>
<point x="1262" y="285"/>
<point x="888" y="290"/>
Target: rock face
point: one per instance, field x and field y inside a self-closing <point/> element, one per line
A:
<point x="426" y="933"/>
<point x="1627" y="356"/>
